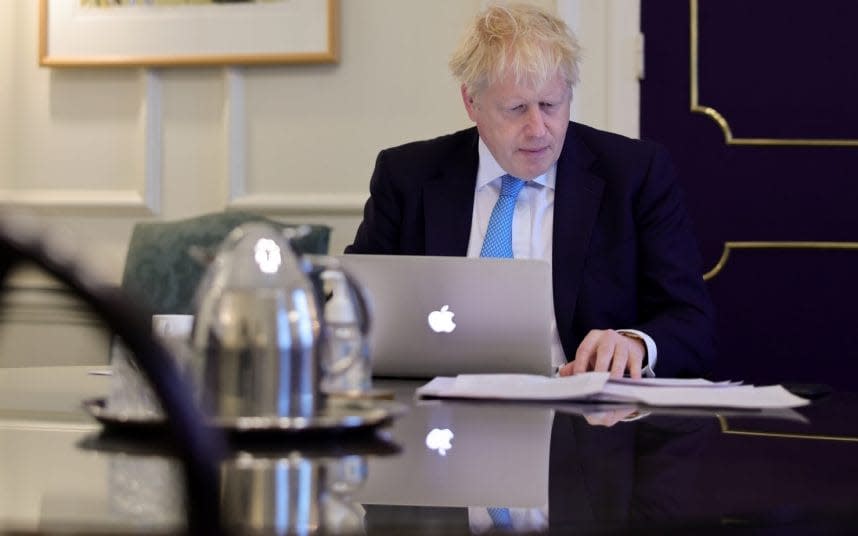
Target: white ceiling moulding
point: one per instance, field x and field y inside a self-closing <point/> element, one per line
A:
<point x="145" y="200"/>
<point x="292" y="203"/>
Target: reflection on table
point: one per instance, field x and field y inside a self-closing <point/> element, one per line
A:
<point x="443" y="468"/>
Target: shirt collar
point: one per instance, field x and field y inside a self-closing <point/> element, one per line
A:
<point x="489" y="170"/>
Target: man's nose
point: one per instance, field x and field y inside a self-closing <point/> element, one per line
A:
<point x="535" y="122"/>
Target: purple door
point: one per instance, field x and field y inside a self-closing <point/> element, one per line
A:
<point x="756" y="100"/>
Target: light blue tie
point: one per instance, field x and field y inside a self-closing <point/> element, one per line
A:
<point x="498" y="240"/>
<point x="500" y="517"/>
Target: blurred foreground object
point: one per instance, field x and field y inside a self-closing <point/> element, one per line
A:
<point x="23" y="239"/>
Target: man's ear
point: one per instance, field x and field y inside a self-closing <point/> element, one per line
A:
<point x="468" y="100"/>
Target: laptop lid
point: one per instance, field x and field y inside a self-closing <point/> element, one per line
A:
<point x="436" y="316"/>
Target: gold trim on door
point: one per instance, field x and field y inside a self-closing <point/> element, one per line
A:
<point x="721" y="121"/>
<point x="725" y="429"/>
<point x="729" y="246"/>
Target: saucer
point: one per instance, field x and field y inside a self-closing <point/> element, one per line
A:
<point x="338" y="415"/>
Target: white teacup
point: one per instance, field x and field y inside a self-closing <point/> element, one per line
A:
<point x="173" y="327"/>
<point x="130" y="393"/>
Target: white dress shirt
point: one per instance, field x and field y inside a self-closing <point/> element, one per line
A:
<point x="532" y="227"/>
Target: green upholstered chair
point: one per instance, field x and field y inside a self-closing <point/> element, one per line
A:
<point x="166" y="260"/>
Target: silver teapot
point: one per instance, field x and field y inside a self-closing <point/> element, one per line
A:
<point x="259" y="331"/>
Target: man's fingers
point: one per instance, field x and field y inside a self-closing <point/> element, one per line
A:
<point x="580" y="365"/>
<point x="621" y="360"/>
<point x="588" y="345"/>
<point x="582" y="355"/>
<point x="608" y="418"/>
<point x="635" y="364"/>
<point x="605" y="353"/>
<point x="585" y="352"/>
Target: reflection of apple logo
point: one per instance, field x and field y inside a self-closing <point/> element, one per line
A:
<point x="442" y="321"/>
<point x="439" y="440"/>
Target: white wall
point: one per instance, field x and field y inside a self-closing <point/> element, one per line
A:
<point x="94" y="151"/>
<point x="609" y="31"/>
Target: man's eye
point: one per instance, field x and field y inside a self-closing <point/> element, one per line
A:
<point x="519" y="108"/>
<point x="548" y="105"/>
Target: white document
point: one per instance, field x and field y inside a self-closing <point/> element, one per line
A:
<point x="595" y="386"/>
<point x="673" y="382"/>
<point x="516" y="386"/>
<point x="741" y="396"/>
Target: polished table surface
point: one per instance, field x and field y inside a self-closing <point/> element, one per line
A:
<point x="441" y="468"/>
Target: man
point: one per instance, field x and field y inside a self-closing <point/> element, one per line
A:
<point x="604" y="210"/>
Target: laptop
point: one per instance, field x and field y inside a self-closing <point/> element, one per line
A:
<point x="443" y="316"/>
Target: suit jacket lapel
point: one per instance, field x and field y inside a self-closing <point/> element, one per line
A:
<point x="448" y="202"/>
<point x="577" y="196"/>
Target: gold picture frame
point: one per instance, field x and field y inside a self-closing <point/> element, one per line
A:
<point x="72" y="34"/>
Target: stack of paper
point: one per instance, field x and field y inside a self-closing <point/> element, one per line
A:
<point x="597" y="386"/>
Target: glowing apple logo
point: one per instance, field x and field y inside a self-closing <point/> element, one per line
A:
<point x="439" y="440"/>
<point x="442" y="321"/>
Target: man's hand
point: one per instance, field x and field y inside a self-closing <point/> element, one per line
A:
<point x="607" y="351"/>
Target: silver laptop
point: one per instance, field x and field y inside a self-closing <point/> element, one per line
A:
<point x="435" y="316"/>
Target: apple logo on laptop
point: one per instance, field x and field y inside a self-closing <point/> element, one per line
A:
<point x="442" y="321"/>
<point x="439" y="440"/>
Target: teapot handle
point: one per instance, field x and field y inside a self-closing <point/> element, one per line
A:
<point x="316" y="265"/>
<point x="360" y="299"/>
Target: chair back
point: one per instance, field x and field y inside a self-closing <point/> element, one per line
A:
<point x="166" y="260"/>
<point x="200" y="447"/>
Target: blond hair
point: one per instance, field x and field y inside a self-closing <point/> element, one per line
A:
<point x="529" y="42"/>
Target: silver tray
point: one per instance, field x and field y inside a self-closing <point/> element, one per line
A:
<point x="338" y="415"/>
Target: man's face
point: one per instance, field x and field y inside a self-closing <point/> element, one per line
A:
<point x="524" y="127"/>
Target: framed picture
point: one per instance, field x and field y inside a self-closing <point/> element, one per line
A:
<point x="143" y="33"/>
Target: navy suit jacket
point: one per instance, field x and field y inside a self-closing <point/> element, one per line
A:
<point x="623" y="252"/>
